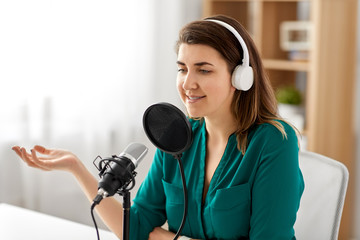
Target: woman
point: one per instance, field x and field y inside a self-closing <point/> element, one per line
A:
<point x="241" y="170"/>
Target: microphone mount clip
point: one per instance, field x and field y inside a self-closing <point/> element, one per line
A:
<point x="104" y="164"/>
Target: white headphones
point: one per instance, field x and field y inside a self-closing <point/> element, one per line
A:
<point x="243" y="76"/>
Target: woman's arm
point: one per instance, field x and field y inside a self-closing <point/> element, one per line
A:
<point x="161" y="234"/>
<point x="110" y="210"/>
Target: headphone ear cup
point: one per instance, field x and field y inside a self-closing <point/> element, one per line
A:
<point x="242" y="77"/>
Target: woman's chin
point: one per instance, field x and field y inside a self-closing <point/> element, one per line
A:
<point x="194" y="112"/>
<point x="195" y="116"/>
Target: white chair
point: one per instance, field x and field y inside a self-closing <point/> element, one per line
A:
<point x="322" y="202"/>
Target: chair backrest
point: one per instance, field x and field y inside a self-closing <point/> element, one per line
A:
<point x="322" y="202"/>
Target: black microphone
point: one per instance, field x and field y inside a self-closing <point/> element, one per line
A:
<point x="118" y="171"/>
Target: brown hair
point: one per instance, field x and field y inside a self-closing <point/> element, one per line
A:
<point x="257" y="105"/>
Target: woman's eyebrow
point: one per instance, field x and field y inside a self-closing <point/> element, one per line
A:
<point x="196" y="64"/>
<point x="203" y="63"/>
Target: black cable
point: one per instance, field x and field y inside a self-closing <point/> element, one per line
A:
<point x="93" y="218"/>
<point x="178" y="158"/>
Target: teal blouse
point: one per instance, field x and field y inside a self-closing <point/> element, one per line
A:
<point x="251" y="196"/>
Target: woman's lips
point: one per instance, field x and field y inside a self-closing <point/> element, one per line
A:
<point x="193" y="99"/>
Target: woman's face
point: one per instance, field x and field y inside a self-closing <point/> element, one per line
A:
<point x="204" y="81"/>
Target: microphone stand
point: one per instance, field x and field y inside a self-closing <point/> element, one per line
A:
<point x="125" y="193"/>
<point x="126" y="217"/>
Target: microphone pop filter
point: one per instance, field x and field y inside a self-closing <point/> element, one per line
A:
<point x="167" y="128"/>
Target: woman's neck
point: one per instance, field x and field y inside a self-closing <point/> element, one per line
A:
<point x="220" y="128"/>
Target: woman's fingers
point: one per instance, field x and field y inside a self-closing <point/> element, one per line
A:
<point x="42" y="150"/>
<point x="17" y="150"/>
<point x="27" y="158"/>
<point x="40" y="164"/>
<point x="47" y="159"/>
<point x="24" y="155"/>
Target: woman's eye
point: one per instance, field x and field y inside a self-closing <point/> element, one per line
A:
<point x="181" y="70"/>
<point x="204" y="71"/>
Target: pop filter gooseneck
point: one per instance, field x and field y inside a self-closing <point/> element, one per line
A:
<point x="168" y="129"/>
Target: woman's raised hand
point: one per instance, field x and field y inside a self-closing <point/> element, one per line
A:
<point x="50" y="159"/>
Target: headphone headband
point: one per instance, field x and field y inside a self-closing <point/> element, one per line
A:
<point x="242" y="77"/>
<point x="246" y="60"/>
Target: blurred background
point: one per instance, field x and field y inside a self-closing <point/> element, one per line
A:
<point x="79" y="75"/>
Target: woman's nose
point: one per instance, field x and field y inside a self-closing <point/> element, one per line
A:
<point x="189" y="82"/>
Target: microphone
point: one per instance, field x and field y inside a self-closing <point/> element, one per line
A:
<point x="118" y="171"/>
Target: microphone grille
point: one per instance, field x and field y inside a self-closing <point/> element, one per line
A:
<point x="135" y="152"/>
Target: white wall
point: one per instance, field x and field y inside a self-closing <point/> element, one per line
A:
<point x="78" y="74"/>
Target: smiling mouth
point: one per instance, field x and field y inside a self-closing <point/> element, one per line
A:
<point x="193" y="99"/>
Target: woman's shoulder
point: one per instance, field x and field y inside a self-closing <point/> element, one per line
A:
<point x="278" y="130"/>
<point x="271" y="139"/>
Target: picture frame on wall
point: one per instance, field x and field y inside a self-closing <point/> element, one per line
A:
<point x="295" y="35"/>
